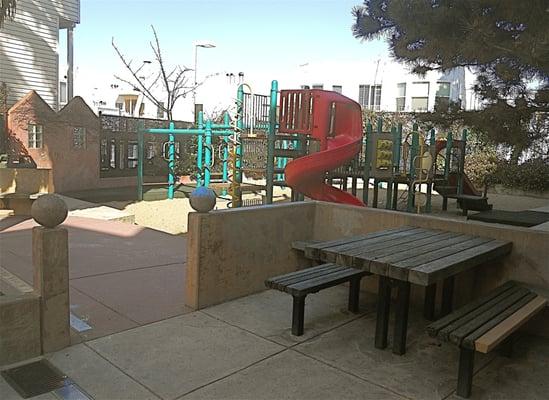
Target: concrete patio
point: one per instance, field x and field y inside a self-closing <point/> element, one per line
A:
<point x="243" y="349"/>
<point x="121" y="275"/>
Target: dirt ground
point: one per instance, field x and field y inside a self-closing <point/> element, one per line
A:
<point x="171" y="215"/>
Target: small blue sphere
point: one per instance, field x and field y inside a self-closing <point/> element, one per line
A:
<point x="202" y="199"/>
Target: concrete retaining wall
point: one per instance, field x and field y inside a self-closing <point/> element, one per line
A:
<point x="232" y="252"/>
<point x="26" y="180"/>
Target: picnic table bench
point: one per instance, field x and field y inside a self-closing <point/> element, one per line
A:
<point x="311" y="280"/>
<point x="485" y="323"/>
<point x="409" y="255"/>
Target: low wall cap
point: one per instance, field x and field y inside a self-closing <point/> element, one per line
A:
<point x="49" y="210"/>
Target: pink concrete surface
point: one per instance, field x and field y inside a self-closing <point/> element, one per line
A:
<point x="121" y="275"/>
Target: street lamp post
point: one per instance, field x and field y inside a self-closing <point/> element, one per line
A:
<point x="196" y="46"/>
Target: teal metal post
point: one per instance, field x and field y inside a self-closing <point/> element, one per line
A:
<point x="140" y="160"/>
<point x="367" y="162"/>
<point x="226" y="121"/>
<point x="171" y="162"/>
<point x="447" y="161"/>
<point x="413" y="155"/>
<point x="237" y="174"/>
<point x="462" y="162"/>
<point x="432" y="149"/>
<point x="394" y="166"/>
<point x="271" y="141"/>
<point x="208" y="153"/>
<point x="200" y="152"/>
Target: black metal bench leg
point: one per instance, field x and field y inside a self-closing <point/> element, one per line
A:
<point x="298" y="315"/>
<point x="429" y="302"/>
<point x="354" y="293"/>
<point x="465" y="374"/>
<point x="401" y="318"/>
<point x="444" y="203"/>
<point x="383" y="308"/>
<point x="506" y="348"/>
<point x="447" y="296"/>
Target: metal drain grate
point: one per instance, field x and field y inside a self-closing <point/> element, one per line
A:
<point x="35" y="378"/>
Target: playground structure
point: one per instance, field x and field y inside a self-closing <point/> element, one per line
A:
<point x="308" y="139"/>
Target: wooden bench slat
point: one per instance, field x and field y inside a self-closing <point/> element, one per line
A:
<point x="436" y="326"/>
<point x="384" y="247"/>
<point x="280" y="284"/>
<point x="451" y="265"/>
<point x="496" y="335"/>
<point x="442" y="252"/>
<point x="444" y="333"/>
<point x="408" y="250"/>
<point x="323" y="282"/>
<point x="297" y="274"/>
<point x="300" y="245"/>
<point x="313" y="251"/>
<point x="469" y="341"/>
<point x="329" y="252"/>
<point x="458" y="335"/>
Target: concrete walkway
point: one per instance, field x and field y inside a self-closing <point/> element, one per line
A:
<point x="244" y="350"/>
<point x="121" y="275"/>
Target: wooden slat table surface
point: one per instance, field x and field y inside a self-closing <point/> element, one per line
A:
<point x="416" y="255"/>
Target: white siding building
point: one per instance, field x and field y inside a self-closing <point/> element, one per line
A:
<point x="382" y="85"/>
<point x="29" y="50"/>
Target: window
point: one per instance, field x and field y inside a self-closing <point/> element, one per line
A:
<point x="104" y="151"/>
<point x="121" y="159"/>
<point x="151" y="151"/>
<point x="420" y="96"/>
<point x="112" y="158"/>
<point x="369" y="96"/>
<point x="79" y="138"/>
<point x="337" y="88"/>
<point x="36" y="136"/>
<point x="318" y="86"/>
<point x="160" y="110"/>
<point x="401" y="97"/>
<point x="442" y="96"/>
<point x="132" y="155"/>
<point x="62" y="92"/>
<point x="129" y="105"/>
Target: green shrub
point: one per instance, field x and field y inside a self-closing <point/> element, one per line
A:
<point x="480" y="165"/>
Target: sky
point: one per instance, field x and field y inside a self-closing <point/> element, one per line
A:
<point x="249" y="35"/>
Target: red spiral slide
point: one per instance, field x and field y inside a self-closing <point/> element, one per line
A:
<point x="334" y="120"/>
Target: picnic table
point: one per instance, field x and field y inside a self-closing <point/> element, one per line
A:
<point x="405" y="255"/>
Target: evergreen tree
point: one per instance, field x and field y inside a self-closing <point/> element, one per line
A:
<point x="505" y="42"/>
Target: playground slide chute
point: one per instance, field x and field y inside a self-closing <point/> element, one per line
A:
<point x="336" y="122"/>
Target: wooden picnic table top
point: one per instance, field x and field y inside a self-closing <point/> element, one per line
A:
<point x="418" y="255"/>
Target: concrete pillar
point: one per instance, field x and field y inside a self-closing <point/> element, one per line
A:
<point x="50" y="258"/>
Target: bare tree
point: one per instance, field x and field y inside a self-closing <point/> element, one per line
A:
<point x="173" y="81"/>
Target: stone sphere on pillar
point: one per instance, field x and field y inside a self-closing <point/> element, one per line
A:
<point x="202" y="199"/>
<point x="49" y="210"/>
